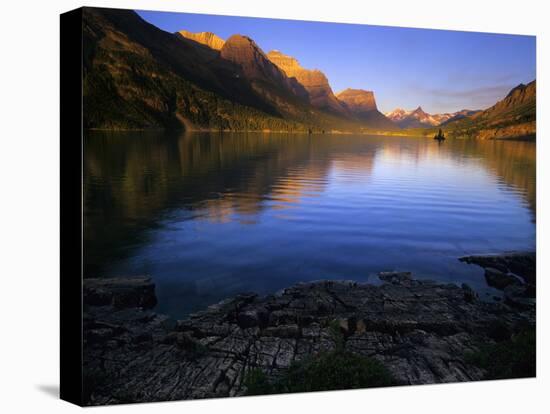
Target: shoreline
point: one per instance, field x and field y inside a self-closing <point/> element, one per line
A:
<point x="244" y="131"/>
<point x="414" y="133"/>
<point x="421" y="332"/>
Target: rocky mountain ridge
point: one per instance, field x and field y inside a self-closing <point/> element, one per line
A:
<point x="137" y="77"/>
<point x="358" y="100"/>
<point x="362" y="105"/>
<point x="512" y="117"/>
<point x="520" y="96"/>
<point x="418" y="118"/>
<point x="314" y="81"/>
<point x="256" y="66"/>
<point x="206" y="38"/>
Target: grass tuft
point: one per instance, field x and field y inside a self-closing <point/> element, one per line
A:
<point x="511" y="358"/>
<point x="336" y="370"/>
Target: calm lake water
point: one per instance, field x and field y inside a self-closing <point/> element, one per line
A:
<point x="211" y="215"/>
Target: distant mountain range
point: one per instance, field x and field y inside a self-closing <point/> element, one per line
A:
<point x="417" y="118"/>
<point x="137" y="76"/>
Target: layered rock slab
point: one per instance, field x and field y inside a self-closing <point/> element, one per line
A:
<point x="420" y="330"/>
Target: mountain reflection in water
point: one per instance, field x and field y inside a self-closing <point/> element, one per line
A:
<point x="210" y="215"/>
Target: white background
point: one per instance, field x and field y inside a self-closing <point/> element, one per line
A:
<point x="29" y="215"/>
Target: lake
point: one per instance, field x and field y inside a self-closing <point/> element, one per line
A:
<point x="210" y="215"/>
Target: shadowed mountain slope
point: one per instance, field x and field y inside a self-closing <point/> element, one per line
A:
<point x="513" y="116"/>
<point x="137" y="76"/>
<point x="267" y="79"/>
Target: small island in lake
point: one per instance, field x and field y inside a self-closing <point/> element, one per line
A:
<point x="440" y="136"/>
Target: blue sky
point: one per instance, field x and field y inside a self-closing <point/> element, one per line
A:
<point x="440" y="70"/>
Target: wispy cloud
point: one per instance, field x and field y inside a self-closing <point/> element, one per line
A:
<point x="474" y="77"/>
<point x="450" y="99"/>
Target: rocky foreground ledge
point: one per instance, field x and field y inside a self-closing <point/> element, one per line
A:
<point x="421" y="331"/>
